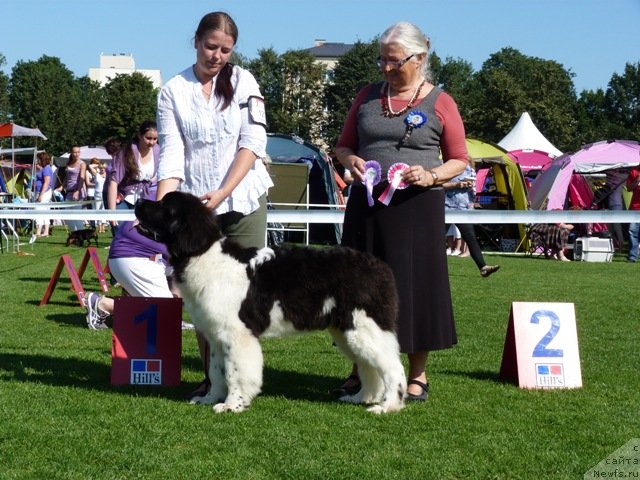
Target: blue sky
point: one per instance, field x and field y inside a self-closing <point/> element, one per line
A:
<point x="591" y="38"/>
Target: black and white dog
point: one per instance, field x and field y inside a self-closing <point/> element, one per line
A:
<point x="236" y="295"/>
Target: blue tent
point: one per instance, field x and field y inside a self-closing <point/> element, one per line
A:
<point x="322" y="183"/>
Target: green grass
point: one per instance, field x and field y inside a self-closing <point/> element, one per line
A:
<point x="61" y="419"/>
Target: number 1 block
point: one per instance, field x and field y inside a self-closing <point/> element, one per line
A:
<point x="147" y="341"/>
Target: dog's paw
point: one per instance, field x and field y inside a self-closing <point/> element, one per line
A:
<point x="377" y="409"/>
<point x="262" y="255"/>
<point x="228" y="407"/>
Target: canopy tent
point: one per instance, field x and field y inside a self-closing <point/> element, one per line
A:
<point x="86" y="154"/>
<point x="531" y="162"/>
<point x="525" y="135"/>
<point x="494" y="165"/>
<point x="553" y="188"/>
<point x="499" y="184"/>
<point x="12" y="130"/>
<point x="291" y="149"/>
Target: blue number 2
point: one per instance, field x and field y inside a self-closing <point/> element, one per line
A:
<point x="150" y="314"/>
<point x="541" y="349"/>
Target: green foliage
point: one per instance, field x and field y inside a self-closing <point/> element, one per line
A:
<point x="267" y="69"/>
<point x="592" y="117"/>
<point x="44" y="94"/>
<point x="4" y="92"/>
<point x="354" y="70"/>
<point x="129" y="100"/>
<point x="61" y="419"/>
<point x="623" y="103"/>
<point x="510" y="83"/>
<point x="302" y="98"/>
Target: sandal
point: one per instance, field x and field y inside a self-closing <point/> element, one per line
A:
<point x="421" y="397"/>
<point x="201" y="390"/>
<point x="351" y="386"/>
<point x="488" y="270"/>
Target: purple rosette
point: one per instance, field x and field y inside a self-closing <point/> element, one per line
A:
<point x="372" y="175"/>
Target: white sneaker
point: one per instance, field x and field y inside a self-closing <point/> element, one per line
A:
<point x="187" y="326"/>
<point x="455" y="253"/>
<point x="96" y="318"/>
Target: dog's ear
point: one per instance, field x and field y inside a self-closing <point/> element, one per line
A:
<point x="191" y="225"/>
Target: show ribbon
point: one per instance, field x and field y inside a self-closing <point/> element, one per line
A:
<point x="414" y="119"/>
<point x="394" y="176"/>
<point x="372" y="176"/>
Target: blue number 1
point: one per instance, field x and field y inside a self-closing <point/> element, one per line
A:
<point x="541" y="349"/>
<point x="151" y="315"/>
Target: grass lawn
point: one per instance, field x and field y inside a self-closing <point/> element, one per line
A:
<point x="61" y="419"/>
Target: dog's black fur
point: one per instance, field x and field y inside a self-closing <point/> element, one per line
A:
<point x="308" y="288"/>
<point x="80" y="237"/>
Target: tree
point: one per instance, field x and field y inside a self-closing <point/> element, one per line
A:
<point x="623" y="103"/>
<point x="292" y="85"/>
<point x="267" y="69"/>
<point x="355" y="69"/>
<point x="44" y="94"/>
<point x="4" y="93"/>
<point x="129" y="100"/>
<point x="593" y="123"/>
<point x="456" y="77"/>
<point x="510" y="83"/>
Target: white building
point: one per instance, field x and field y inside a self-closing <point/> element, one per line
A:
<point x="121" y="64"/>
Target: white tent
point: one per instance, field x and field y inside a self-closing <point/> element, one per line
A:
<point x="526" y="136"/>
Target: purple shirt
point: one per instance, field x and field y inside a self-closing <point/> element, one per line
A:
<point x="129" y="243"/>
<point x="40" y="176"/>
<point x="118" y="171"/>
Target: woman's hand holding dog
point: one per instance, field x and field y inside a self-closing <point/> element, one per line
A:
<point x="212" y="199"/>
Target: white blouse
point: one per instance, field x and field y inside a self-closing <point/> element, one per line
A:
<point x="198" y="141"/>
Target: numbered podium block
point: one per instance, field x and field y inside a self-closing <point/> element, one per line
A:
<point x="541" y="346"/>
<point x="147" y="341"/>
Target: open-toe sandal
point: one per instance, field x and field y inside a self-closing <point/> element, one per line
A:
<point x="351" y="386"/>
<point x="422" y="397"/>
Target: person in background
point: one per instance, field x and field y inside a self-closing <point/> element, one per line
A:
<point x="552" y="239"/>
<point x="403" y="123"/>
<point x="633" y="186"/>
<point x="133" y="171"/>
<point x="455" y="245"/>
<point x="212" y="129"/>
<point x="98" y="172"/>
<point x="460" y="195"/>
<point x="113" y="146"/>
<point x="43" y="192"/>
<point x="74" y="184"/>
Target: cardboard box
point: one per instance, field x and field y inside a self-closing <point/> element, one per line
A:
<point x="593" y="249"/>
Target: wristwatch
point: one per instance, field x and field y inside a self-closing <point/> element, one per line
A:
<point x="434" y="175"/>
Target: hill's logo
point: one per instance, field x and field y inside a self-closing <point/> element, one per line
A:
<point x="146" y="372"/>
<point x="549" y="375"/>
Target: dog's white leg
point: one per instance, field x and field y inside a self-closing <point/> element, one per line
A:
<point x="372" y="387"/>
<point x="381" y="372"/>
<point x="218" y="390"/>
<point x="243" y="371"/>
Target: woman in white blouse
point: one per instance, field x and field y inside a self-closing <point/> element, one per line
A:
<point x="211" y="128"/>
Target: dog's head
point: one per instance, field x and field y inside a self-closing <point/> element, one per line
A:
<point x="180" y="221"/>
